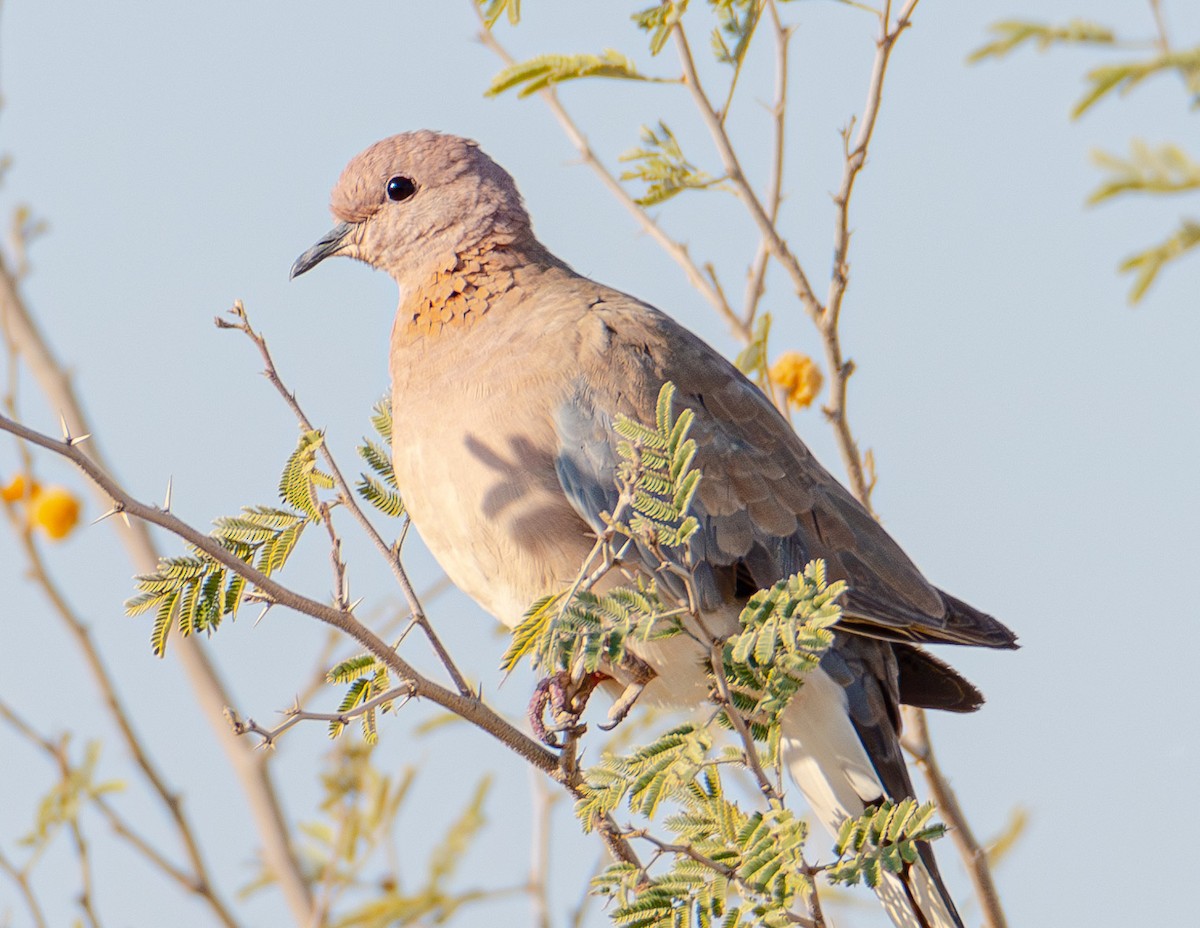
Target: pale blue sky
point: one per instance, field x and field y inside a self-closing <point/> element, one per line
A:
<point x="1035" y="437"/>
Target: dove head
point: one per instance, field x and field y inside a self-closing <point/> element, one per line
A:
<point x="413" y="203"/>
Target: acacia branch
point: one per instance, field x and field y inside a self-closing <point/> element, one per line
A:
<point x="469" y="708"/>
<point x="766" y="787"/>
<point x="208" y="688"/>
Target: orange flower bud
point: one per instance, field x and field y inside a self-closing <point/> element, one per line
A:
<point x="799" y="376"/>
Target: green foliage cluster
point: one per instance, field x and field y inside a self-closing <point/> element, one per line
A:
<point x="660" y="163"/>
<point x="380" y="490"/>
<point x="578" y="630"/>
<point x="1163" y="170"/>
<point x="656" y="475"/>
<point x="727" y="865"/>
<point x="785" y="630"/>
<point x="197" y="590"/>
<point x="736" y="22"/>
<point x="77" y="787"/>
<point x="884" y="838"/>
<point x="659" y="20"/>
<point x="369" y="680"/>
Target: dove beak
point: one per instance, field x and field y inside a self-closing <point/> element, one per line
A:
<point x="329" y="245"/>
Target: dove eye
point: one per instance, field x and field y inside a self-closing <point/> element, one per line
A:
<point x="400" y="188"/>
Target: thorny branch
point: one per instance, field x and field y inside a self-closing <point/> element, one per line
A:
<point x="470" y="708"/>
<point x="294" y="715"/>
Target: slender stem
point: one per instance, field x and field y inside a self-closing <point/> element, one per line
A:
<point x="295" y="715"/>
<point x="1160" y="26"/>
<point x="756" y="12"/>
<point x="21" y="878"/>
<point x="918" y="744"/>
<point x="539" y="862"/>
<point x="348" y="499"/>
<point x="737" y="177"/>
<point x="210" y="692"/>
<point x="755" y="285"/>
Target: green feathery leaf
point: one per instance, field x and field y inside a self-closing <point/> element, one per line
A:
<point x="494" y="9"/>
<point x="300" y="479"/>
<point x="548" y="70"/>
<point x="660" y="163"/>
<point x="1146" y="265"/>
<point x="1163" y="169"/>
<point x="884" y="837"/>
<point x="1012" y="34"/>
<point x="659" y="20"/>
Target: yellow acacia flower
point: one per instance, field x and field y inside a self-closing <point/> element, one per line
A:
<point x="799" y="376"/>
<point x="55" y="510"/>
<point x="16" y="489"/>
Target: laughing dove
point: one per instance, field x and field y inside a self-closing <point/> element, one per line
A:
<point x="508" y="370"/>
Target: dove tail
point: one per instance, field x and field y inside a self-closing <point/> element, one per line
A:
<point x="826" y="759"/>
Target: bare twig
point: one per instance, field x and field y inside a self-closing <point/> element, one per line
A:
<point x="295" y="715"/>
<point x="1160" y="26"/>
<point x="348" y="499"/>
<point x="756" y="278"/>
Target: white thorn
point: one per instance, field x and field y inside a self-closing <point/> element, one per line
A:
<point x="111" y="512"/>
<point x="79" y="439"/>
<point x="354" y="605"/>
<point x="262" y="615"/>
<point x="166" y="506"/>
<point x="125" y="518"/>
<point x="62" y="420"/>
